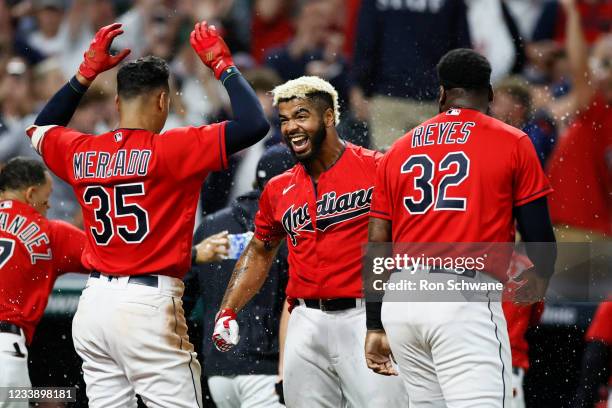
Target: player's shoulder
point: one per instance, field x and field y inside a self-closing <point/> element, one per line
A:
<point x="61" y="226"/>
<point x="500" y="128"/>
<point x="211" y="128"/>
<point x="367" y="156"/>
<point x="279" y="182"/>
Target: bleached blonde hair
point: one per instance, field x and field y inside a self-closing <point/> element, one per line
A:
<point x="302" y="87"/>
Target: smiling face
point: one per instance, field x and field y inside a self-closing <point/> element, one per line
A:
<point x="302" y="126"/>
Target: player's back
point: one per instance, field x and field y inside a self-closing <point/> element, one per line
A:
<point x="456" y="178"/>
<point x="138" y="191"/>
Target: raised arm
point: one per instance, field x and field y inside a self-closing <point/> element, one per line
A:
<point x="578" y="53"/>
<point x="249" y="275"/>
<point x="97" y="59"/>
<point x="249" y="124"/>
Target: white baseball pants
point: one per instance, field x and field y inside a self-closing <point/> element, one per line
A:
<point x="244" y="391"/>
<point x="451" y="354"/>
<point x="13" y="366"/>
<point x="324" y="363"/>
<point x="133" y="340"/>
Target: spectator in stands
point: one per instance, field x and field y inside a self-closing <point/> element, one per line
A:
<point x="246" y="375"/>
<point x="15" y="103"/>
<point x="271" y="26"/>
<point x="596" y="17"/>
<point x="316" y="48"/>
<point x="580" y="168"/>
<point x="495" y="34"/>
<point x="395" y="56"/>
<point x="513" y="105"/>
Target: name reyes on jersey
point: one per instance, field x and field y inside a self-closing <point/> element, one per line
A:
<point x="102" y="165"/>
<point x="331" y="210"/>
<point x="29" y="235"/>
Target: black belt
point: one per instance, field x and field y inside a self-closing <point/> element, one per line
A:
<point x="8" y="327"/>
<point x="469" y="273"/>
<point x="147" y="280"/>
<point x="331" y="305"/>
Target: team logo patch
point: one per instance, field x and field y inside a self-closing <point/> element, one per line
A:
<point x="331" y="210"/>
<point x="118" y="136"/>
<point x="453" y="112"/>
<point x="5" y="205"/>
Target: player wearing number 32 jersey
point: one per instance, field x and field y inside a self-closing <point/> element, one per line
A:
<point x="138" y="189"/>
<point x="460" y="177"/>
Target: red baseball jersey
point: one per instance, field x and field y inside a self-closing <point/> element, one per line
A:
<point x="456" y="178"/>
<point x="580" y="171"/>
<point x="138" y="191"/>
<point x="326" y="224"/>
<point x="33" y="253"/>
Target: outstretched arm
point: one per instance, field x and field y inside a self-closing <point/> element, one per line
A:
<point x="97" y="59"/>
<point x="249" y="275"/>
<point x="249" y="124"/>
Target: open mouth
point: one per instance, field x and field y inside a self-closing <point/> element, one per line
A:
<point x="300" y="144"/>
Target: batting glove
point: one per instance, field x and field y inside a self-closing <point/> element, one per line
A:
<point x="226" y="334"/>
<point x="97" y="58"/>
<point x="210" y="47"/>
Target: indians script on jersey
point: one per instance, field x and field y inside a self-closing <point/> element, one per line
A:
<point x="331" y="210"/>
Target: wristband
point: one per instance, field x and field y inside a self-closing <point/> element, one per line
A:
<point x="228" y="73"/>
<point x="77" y="86"/>
<point x="373" y="320"/>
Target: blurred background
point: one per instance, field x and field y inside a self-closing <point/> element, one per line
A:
<point x="380" y="55"/>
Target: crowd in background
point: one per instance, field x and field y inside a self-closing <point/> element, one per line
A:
<point x="379" y="54"/>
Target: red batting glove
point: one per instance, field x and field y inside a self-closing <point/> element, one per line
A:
<point x="292" y="302"/>
<point x="225" y="335"/>
<point x="97" y="58"/>
<point x="210" y="47"/>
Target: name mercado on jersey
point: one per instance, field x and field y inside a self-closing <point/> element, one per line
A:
<point x="331" y="210"/>
<point x="101" y="165"/>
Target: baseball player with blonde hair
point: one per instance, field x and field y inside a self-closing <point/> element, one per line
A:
<point x="321" y="207"/>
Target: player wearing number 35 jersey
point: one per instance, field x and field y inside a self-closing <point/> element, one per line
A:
<point x="138" y="189"/>
<point x="464" y="177"/>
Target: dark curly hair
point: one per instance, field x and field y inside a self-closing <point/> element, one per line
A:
<point x="464" y="68"/>
<point x="20" y="173"/>
<point x="142" y="76"/>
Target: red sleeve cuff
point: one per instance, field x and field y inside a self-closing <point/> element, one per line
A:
<point x="522" y="201"/>
<point x="380" y="214"/>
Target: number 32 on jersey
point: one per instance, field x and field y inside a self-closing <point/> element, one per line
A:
<point x="423" y="169"/>
<point x="115" y="214"/>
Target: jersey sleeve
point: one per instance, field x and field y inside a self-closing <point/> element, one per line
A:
<point x="55" y="144"/>
<point x="601" y="327"/>
<point x="381" y="202"/>
<point x="267" y="229"/>
<point x="67" y="244"/>
<point x="192" y="151"/>
<point x="529" y="180"/>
